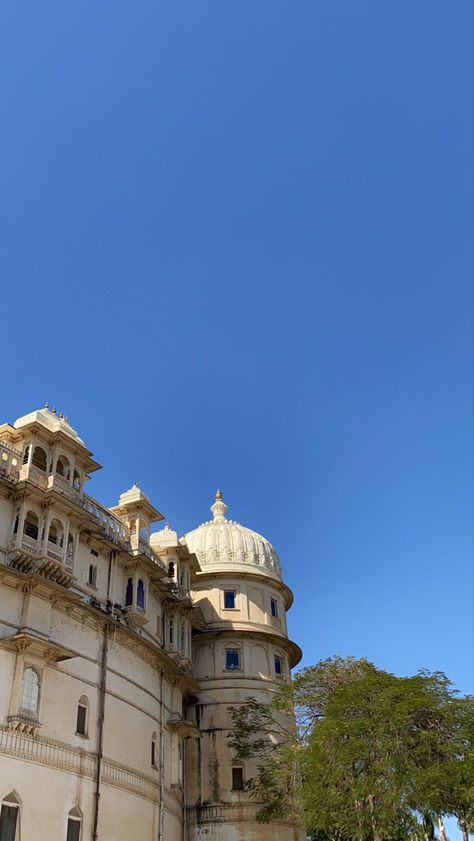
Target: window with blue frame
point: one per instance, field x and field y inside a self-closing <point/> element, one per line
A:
<point x="232" y="659"/>
<point x="229" y="599"/>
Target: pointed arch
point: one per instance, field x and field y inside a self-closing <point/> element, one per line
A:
<point x="10" y="816"/>
<point x="12" y="797"/>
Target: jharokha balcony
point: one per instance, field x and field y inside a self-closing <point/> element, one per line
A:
<point x="26" y="556"/>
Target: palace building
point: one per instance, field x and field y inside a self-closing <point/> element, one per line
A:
<point x="122" y="647"/>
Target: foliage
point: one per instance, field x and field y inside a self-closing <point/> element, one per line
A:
<point x="366" y="755"/>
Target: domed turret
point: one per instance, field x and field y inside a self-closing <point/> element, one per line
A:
<point x="226" y="546"/>
<point x="242" y="649"/>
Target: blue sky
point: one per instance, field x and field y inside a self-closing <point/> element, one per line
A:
<point x="236" y="250"/>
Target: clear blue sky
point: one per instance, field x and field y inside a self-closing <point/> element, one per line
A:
<point x="236" y="249"/>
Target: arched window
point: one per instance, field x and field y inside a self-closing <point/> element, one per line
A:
<point x="129" y="593"/>
<point x="29" y="692"/>
<point x="31" y="526"/>
<point x="171" y="569"/>
<point x="81" y="720"/>
<point x="76" y="481"/>
<point x="153" y="750"/>
<point x="74" y="824"/>
<point x="39" y="458"/>
<point x="62" y="467"/>
<point x="141" y="594"/>
<point x="56" y="534"/>
<point x="10" y="817"/>
<point x="26" y="454"/>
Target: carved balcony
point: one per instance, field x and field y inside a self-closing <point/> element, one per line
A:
<point x="24" y="722"/>
<point x="25" y="556"/>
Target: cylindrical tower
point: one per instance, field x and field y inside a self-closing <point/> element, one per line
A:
<point x="243" y="650"/>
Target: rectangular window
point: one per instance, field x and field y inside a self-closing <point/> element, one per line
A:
<point x="232" y="659"/>
<point x="81" y="720"/>
<point x="92" y="575"/>
<point x="274" y="607"/>
<point x="93" y="552"/>
<point x="153" y="752"/>
<point x="73" y="830"/>
<point x="229" y="599"/>
<point x="237" y="779"/>
<point x="170" y="631"/>
<point x="278" y="665"/>
<point x="8" y="820"/>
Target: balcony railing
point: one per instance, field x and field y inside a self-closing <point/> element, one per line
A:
<point x="140" y="546"/>
<point x="112" y="527"/>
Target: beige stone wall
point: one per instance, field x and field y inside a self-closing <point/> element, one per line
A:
<point x="60" y="601"/>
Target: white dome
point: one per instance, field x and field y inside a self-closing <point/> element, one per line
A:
<point x="226" y="546"/>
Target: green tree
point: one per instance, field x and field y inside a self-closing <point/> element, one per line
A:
<point x="368" y="755"/>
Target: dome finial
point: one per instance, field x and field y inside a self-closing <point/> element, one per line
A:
<point x="219" y="508"/>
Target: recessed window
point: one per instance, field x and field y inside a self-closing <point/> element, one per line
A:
<point x="141" y="594"/>
<point x="129" y="593"/>
<point x="237" y="779"/>
<point x="9" y="815"/>
<point x="232" y="659"/>
<point x="29" y="693"/>
<point x="31" y="527"/>
<point x="153" y="750"/>
<point x="92" y="575"/>
<point x="274" y="607"/>
<point x="39" y="458"/>
<point x="73" y="829"/>
<point x="277" y="665"/>
<point x="93" y="552"/>
<point x="81" y="720"/>
<point x="229" y="599"/>
<point x="170" y="631"/>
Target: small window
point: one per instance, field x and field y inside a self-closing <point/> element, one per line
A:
<point x="92" y="575"/>
<point x="8" y="822"/>
<point x="170" y="631"/>
<point x="153" y="750"/>
<point x="277" y="665"/>
<point x="229" y="599"/>
<point x="26" y="454"/>
<point x="73" y="829"/>
<point x="93" y="552"/>
<point x="129" y="593"/>
<point x="141" y="594"/>
<point x="171" y="569"/>
<point x="274" y="607"/>
<point x="232" y="659"/>
<point x="29" y="693"/>
<point x="237" y="779"/>
<point x="81" y="721"/>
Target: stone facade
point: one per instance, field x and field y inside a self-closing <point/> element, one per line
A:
<point x="121" y="650"/>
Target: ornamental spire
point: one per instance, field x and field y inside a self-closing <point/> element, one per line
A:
<point x="219" y="508"/>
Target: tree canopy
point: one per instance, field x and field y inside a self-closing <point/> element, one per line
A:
<point x="354" y="752"/>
